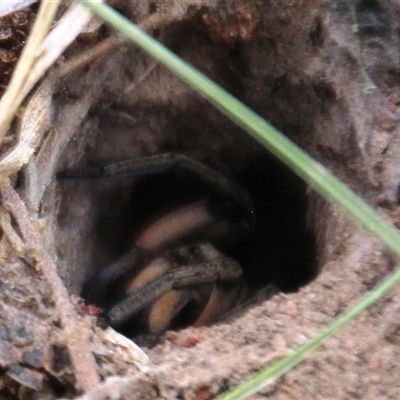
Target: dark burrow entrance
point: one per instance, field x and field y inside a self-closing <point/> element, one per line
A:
<point x="163" y="115"/>
<point x="278" y="250"/>
<point x="281" y="249"/>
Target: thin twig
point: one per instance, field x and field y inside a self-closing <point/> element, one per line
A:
<point x="92" y="54"/>
<point x="77" y="343"/>
<point x="12" y="236"/>
<point x="34" y="123"/>
<point x="107" y="45"/>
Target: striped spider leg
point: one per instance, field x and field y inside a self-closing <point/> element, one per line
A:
<point x="146" y="278"/>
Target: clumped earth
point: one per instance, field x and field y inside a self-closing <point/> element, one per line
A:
<point x="323" y="72"/>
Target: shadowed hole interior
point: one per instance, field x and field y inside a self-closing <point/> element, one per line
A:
<point x="280" y="250"/>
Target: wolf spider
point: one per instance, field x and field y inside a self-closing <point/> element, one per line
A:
<point x="147" y="284"/>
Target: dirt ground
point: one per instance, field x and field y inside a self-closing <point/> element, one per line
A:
<point x="325" y="72"/>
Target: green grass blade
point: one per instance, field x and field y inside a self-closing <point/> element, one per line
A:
<point x="278" y="368"/>
<point x="314" y="173"/>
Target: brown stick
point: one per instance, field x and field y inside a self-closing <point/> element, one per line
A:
<point x="77" y="343"/>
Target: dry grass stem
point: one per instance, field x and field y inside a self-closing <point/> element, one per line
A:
<point x="9" y="103"/>
<point x="45" y="54"/>
<point x="107" y="46"/>
<point x="35" y="121"/>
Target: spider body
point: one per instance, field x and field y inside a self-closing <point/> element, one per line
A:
<point x="146" y="283"/>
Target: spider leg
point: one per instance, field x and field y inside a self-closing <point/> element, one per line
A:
<point x="180" y="278"/>
<point x="164" y="232"/>
<point x="226" y="211"/>
<point x="220" y="301"/>
<point x="226" y="191"/>
<point x="151" y="165"/>
<point x="174" y="227"/>
<point x="95" y="289"/>
<point x="166" y="308"/>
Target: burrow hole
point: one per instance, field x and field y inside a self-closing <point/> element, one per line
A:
<point x="279" y="251"/>
<point x="103" y="217"/>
